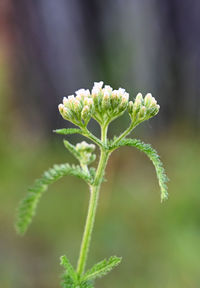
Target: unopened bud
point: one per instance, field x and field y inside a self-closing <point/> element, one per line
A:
<point x="124" y="103"/>
<point x="65" y="101"/>
<point x="139" y="97"/>
<point x="142" y="112"/>
<point x="77" y="105"/>
<point x="71" y="98"/>
<point x="60" y="108"/>
<point x="148" y="99"/>
<point x="137" y="103"/>
<point x="106" y="101"/>
<point x="130" y="107"/>
<point x="85" y="114"/>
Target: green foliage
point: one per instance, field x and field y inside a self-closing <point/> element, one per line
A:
<point x="70" y="278"/>
<point x="154" y="157"/>
<point x="102" y="268"/>
<point x="66" y="131"/>
<point x="27" y="206"/>
<point x="72" y="149"/>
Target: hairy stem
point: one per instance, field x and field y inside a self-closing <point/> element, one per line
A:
<point x="89" y="135"/>
<point x="94" y="195"/>
<point x="126" y="132"/>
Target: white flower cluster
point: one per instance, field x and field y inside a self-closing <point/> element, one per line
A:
<point x="77" y="109"/>
<point x="108" y="103"/>
<point x="103" y="104"/>
<point x="85" y="147"/>
<point x="143" y="108"/>
<point x="85" y="151"/>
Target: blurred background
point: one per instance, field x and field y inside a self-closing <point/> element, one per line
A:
<point x="49" y="49"/>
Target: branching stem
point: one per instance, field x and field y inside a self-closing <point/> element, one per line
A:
<point x="94" y="195"/>
<point x="126" y="132"/>
<point x="92" y="137"/>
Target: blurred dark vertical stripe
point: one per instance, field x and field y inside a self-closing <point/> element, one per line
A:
<point x="148" y="46"/>
<point x="181" y="31"/>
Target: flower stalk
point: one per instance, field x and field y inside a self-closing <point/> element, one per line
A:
<point x="104" y="105"/>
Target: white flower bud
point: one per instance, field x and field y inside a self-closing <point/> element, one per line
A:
<point x="98" y="84"/>
<point x="139" y="97"/>
<point x="130" y="107"/>
<point x="137" y="103"/>
<point x="70" y="97"/>
<point x="85" y="147"/>
<point x="153" y="102"/>
<point x="97" y="87"/>
<point x="67" y="114"/>
<point x="124" y="102"/>
<point x="115" y="98"/>
<point x="121" y="91"/>
<point x="106" y="101"/>
<point x="142" y="112"/>
<point x="65" y="101"/>
<point x="107" y="90"/>
<point x="88" y="102"/>
<point x="77" y="105"/>
<point x="82" y="93"/>
<point x="148" y="99"/>
<point x="85" y="114"/>
<point x="60" y="108"/>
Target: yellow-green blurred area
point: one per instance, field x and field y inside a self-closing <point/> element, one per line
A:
<point x="159" y="243"/>
<point x="49" y="49"/>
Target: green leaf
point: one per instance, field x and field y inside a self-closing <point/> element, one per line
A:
<point x="72" y="149"/>
<point x="66" y="131"/>
<point x="102" y="268"/>
<point x="70" y="278"/>
<point x="67" y="282"/>
<point x="87" y="284"/>
<point x="27" y="206"/>
<point x="154" y="157"/>
<point x="69" y="270"/>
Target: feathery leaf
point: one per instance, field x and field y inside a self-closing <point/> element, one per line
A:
<point x="154" y="157"/>
<point x="68" y="268"/>
<point x="66" y="131"/>
<point x="28" y="205"/>
<point x="102" y="268"/>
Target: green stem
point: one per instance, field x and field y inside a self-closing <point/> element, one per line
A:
<point x="94" y="195"/>
<point x="126" y="132"/>
<point x="88" y="134"/>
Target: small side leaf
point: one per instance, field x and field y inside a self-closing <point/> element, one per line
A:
<point x="154" y="157"/>
<point x="72" y="149"/>
<point x="102" y="268"/>
<point x="28" y="205"/>
<point x="66" y="131"/>
<point x="69" y="270"/>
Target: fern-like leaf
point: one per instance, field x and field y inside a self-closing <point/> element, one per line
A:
<point x="154" y="157"/>
<point x="66" y="131"/>
<point x="69" y="270"/>
<point x="102" y="268"/>
<point x="27" y="206"/>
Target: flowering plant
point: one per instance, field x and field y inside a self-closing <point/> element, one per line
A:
<point x="104" y="105"/>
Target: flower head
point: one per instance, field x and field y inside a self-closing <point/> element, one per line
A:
<point x="105" y="104"/>
<point x="85" y="151"/>
<point x="143" y="108"/>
